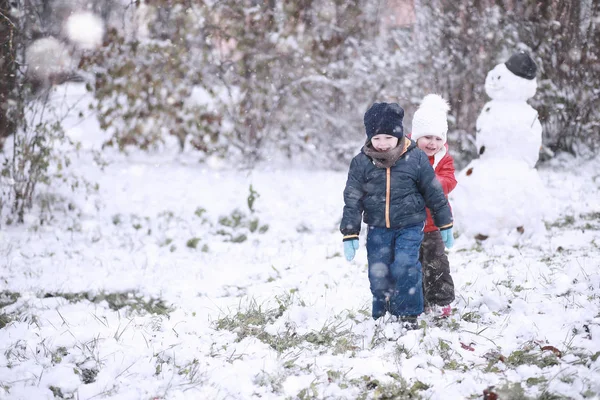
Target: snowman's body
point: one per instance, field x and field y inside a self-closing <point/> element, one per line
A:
<point x="500" y="199"/>
<point x="500" y="195"/>
<point x="510" y="130"/>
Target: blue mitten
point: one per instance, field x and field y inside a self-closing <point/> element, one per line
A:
<point x="448" y="238"/>
<point x="350" y="247"/>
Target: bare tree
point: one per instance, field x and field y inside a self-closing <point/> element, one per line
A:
<point x="565" y="36"/>
<point x="8" y="71"/>
<point x="460" y="41"/>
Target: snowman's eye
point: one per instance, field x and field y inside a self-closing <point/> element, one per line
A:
<point x="499" y="77"/>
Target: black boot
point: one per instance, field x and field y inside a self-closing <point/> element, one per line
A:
<point x="379" y="307"/>
<point x="409" y="322"/>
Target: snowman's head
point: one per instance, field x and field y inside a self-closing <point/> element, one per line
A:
<point x="502" y="84"/>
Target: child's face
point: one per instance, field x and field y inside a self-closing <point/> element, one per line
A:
<point x="384" y="142"/>
<point x="430" y="144"/>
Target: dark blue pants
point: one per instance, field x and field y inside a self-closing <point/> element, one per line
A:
<point x="395" y="270"/>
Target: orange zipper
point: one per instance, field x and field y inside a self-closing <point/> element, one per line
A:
<point x="388" y="184"/>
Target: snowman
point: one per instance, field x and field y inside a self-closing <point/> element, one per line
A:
<point x="500" y="195"/>
<point x="508" y="127"/>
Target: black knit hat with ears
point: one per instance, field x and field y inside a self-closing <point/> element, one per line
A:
<point x="521" y="64"/>
<point x="384" y="119"/>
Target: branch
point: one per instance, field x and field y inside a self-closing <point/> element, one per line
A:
<point x="8" y="19"/>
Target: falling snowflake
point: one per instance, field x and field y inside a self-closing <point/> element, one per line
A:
<point x="85" y="29"/>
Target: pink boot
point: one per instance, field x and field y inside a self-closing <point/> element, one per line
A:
<point x="446" y="311"/>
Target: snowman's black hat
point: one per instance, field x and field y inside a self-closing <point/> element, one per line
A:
<point x="521" y="64"/>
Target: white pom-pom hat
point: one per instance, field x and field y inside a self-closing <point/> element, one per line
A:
<point x="431" y="118"/>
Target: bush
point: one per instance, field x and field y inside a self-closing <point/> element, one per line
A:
<point x="40" y="155"/>
<point x="144" y="93"/>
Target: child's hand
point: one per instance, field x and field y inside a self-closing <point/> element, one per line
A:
<point x="448" y="238"/>
<point x="350" y="247"/>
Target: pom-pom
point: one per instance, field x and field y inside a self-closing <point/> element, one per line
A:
<point x="435" y="101"/>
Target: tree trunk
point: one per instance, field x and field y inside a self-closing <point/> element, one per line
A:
<point x="8" y="71"/>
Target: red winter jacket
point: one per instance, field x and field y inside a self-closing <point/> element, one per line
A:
<point x="444" y="172"/>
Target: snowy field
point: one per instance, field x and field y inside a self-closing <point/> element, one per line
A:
<point x="169" y="284"/>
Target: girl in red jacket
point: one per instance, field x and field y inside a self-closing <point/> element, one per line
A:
<point x="429" y="130"/>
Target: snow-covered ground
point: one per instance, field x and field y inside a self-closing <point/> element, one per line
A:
<point x="142" y="291"/>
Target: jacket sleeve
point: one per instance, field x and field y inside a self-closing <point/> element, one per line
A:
<point x="353" y="202"/>
<point x="444" y="172"/>
<point x="435" y="199"/>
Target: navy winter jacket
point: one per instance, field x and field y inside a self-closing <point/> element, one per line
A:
<point x="393" y="197"/>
